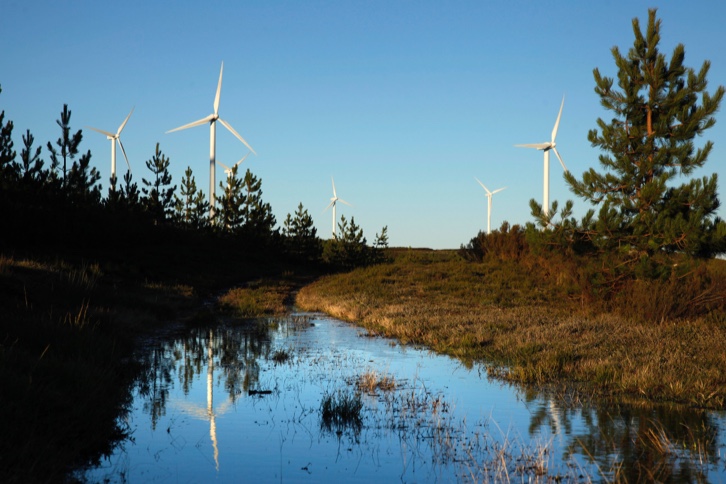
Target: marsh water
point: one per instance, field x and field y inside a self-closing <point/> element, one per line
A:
<point x="308" y="398"/>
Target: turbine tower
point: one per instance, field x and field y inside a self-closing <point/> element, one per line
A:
<point x="333" y="201"/>
<point x="489" y="204"/>
<point x="115" y="138"/>
<point x="546" y="147"/>
<point x="212" y="120"/>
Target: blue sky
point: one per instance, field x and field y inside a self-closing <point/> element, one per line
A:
<point x="404" y="103"/>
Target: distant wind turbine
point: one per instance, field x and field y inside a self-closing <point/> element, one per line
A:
<point x="489" y="204"/>
<point x="116" y="138"/>
<point x="333" y="201"/>
<point x="212" y="120"/>
<point x="228" y="170"/>
<point x="546" y="147"/>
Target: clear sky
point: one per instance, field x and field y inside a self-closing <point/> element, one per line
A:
<point x="403" y="102"/>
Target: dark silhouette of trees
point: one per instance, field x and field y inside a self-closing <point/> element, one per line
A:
<point x="191" y="207"/>
<point x="158" y="191"/>
<point x="257" y="216"/>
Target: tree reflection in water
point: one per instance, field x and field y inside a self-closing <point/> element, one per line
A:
<point x="633" y="443"/>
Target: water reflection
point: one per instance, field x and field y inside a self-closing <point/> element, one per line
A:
<point x="636" y="442"/>
<point x="262" y="417"/>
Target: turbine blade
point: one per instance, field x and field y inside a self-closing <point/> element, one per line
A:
<point x="110" y="135"/>
<point x="334" y="195"/>
<point x="498" y="190"/>
<point x="121" y="128"/>
<point x="195" y="123"/>
<point x="231" y="130"/>
<point x="329" y="205"/>
<point x="223" y="165"/>
<point x="343" y="201"/>
<point x="243" y="159"/>
<point x="560" y="158"/>
<point x="482" y="185"/>
<point x="557" y="123"/>
<point x="539" y="146"/>
<point x="124" y="152"/>
<point x="219" y="90"/>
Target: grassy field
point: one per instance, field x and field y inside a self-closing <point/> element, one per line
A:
<point x="530" y="329"/>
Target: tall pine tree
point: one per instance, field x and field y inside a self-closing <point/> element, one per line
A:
<point x="191" y="207"/>
<point x="658" y="107"/>
<point x="158" y="191"/>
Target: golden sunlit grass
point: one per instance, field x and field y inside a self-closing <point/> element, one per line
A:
<point x="529" y="330"/>
<point x="371" y="381"/>
<point x="260" y="298"/>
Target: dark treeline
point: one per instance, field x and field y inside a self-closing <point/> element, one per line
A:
<point x="52" y="203"/>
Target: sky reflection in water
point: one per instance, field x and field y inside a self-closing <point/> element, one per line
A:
<point x="215" y="405"/>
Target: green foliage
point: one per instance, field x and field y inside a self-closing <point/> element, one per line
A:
<point x="381" y="241"/>
<point x="257" y="215"/>
<point x="190" y="206"/>
<point x="301" y="236"/>
<point x="659" y="107"/>
<point x="349" y="250"/>
<point x="231" y="214"/>
<point x="158" y="192"/>
<point x="507" y="243"/>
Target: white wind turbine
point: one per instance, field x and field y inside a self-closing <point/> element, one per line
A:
<point x="115" y="138"/>
<point x="546" y="147"/>
<point x="228" y="170"/>
<point x="489" y="205"/>
<point x="212" y="120"/>
<point x="333" y="201"/>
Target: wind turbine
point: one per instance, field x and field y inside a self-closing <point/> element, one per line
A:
<point x="212" y="120"/>
<point x="333" y="201"/>
<point x="228" y="170"/>
<point x="489" y="205"/>
<point x="115" y="138"/>
<point x="546" y="147"/>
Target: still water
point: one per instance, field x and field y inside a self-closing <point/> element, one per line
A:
<point x="245" y="403"/>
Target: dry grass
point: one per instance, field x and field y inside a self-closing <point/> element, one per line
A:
<point x="259" y="298"/>
<point x="530" y="331"/>
<point x="371" y="381"/>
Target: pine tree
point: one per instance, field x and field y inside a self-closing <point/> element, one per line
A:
<point x="67" y="144"/>
<point x="231" y="216"/>
<point x="301" y="235"/>
<point x="158" y="191"/>
<point x="191" y="208"/>
<point x="259" y="220"/>
<point x="31" y="168"/>
<point x="131" y="191"/>
<point x="381" y="241"/>
<point x="7" y="154"/>
<point x="659" y="107"/>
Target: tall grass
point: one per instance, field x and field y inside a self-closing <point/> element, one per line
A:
<point x="531" y="325"/>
